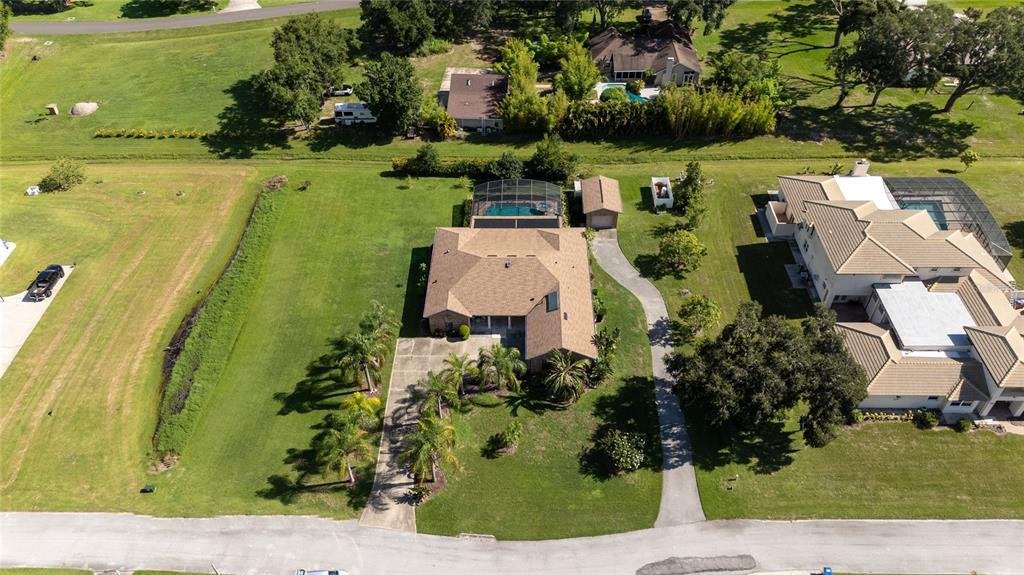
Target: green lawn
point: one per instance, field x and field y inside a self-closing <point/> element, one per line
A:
<point x="880" y="471"/>
<point x="214" y="63"/>
<point x="78" y="404"/>
<point x="545" y="490"/>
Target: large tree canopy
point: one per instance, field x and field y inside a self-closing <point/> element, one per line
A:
<point x="400" y="27"/>
<point x="391" y="91"/>
<point x="985" y="52"/>
<point x="711" y="12"/>
<point x="856" y="14"/>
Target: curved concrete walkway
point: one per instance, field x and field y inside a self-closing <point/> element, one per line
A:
<point x="680" y="500"/>
<point x="144" y="25"/>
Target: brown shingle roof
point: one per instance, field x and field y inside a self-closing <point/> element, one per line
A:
<point x="509" y="272"/>
<point x="475" y="96"/>
<point x="648" y="50"/>
<point x="601" y="193"/>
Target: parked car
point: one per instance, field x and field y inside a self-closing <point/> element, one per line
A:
<point x="352" y="113"/>
<point x="44" y="283"/>
<point x="344" y="90"/>
<point x="320" y="572"/>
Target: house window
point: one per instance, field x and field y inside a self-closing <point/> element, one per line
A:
<point x="806" y="245"/>
<point x="933" y="398"/>
<point x="553" y="301"/>
<point x="934" y="269"/>
<point x="956" y="269"/>
<point x="961" y="403"/>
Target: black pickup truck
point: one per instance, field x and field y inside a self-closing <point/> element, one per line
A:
<point x="47" y="279"/>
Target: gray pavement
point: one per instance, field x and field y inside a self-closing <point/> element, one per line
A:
<point x="277" y="545"/>
<point x="147" y="24"/>
<point x="680" y="499"/>
<point x="388" y="507"/>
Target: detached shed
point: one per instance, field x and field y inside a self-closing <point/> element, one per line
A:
<point x="602" y="202"/>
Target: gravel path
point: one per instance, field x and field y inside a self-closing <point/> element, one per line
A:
<point x="680" y="500"/>
<point x="143" y="25"/>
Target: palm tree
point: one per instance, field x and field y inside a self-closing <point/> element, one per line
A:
<point x="380" y="325"/>
<point x="565" y="377"/>
<point x="438" y="392"/>
<point x="340" y="446"/>
<point x="501" y="366"/>
<point x="364" y="410"/>
<point x="433" y="440"/>
<point x="361" y="356"/>
<point x="459" y="367"/>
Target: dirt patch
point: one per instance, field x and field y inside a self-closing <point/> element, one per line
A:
<point x="167" y="461"/>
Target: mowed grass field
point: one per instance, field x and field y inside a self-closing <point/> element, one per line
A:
<point x="78" y="404"/>
<point x="196" y="79"/>
<point x="546" y="489"/>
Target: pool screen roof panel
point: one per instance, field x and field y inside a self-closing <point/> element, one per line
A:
<point x="542" y="197"/>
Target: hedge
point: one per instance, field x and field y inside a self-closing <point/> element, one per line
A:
<point x="217" y="325"/>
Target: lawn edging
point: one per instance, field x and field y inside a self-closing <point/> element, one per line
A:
<point x="201" y="346"/>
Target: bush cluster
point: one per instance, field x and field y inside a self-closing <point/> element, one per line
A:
<point x="624" y="451"/>
<point x="464" y="332"/>
<point x="150" y="134"/>
<point x="509" y="437"/>
<point x="550" y="162"/>
<point x="963" y="425"/>
<point x="926" y="419"/>
<point x="205" y="351"/>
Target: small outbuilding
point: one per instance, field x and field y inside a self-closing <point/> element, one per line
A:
<point x="602" y="202"/>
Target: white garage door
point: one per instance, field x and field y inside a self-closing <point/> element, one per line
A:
<point x="602" y="221"/>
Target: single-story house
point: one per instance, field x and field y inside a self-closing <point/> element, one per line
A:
<point x="660" y="49"/>
<point x="602" y="202"/>
<point x="473" y="101"/>
<point x="530" y="286"/>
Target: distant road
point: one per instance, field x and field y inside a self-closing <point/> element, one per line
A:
<point x="143" y="25"/>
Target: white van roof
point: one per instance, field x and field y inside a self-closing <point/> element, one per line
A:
<point x="350" y="106"/>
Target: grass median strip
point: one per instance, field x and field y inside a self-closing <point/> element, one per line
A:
<point x="218" y="322"/>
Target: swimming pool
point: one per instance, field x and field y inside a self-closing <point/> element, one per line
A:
<point x="934" y="210"/>
<point x="517" y="210"/>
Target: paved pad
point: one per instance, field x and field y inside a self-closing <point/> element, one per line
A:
<point x="388" y="506"/>
<point x="19" y="316"/>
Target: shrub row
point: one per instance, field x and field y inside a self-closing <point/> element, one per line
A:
<point x="217" y="324"/>
<point x="150" y="134"/>
<point x="470" y="168"/>
<point x="676" y="112"/>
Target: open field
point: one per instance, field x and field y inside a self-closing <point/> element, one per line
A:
<point x="546" y="489"/>
<point x="79" y="400"/>
<point x="216" y="62"/>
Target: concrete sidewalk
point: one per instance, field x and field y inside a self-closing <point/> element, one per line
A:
<point x="388" y="506"/>
<point x="680" y="500"/>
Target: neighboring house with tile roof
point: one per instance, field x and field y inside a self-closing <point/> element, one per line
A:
<point x="938" y="329"/>
<point x="602" y="202"/>
<point x="660" y="49"/>
<point x="530" y="286"/>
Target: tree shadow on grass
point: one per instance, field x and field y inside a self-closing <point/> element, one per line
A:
<point x="327" y="135"/>
<point x="1015" y="233"/>
<point x="533" y="398"/>
<point x="162" y="8"/>
<point x="630" y="409"/>
<point x="413" y="324"/>
<point x="244" y="127"/>
<point x="764" y="450"/>
<point x="763" y="268"/>
<point x="885" y="133"/>
<point x="322" y="387"/>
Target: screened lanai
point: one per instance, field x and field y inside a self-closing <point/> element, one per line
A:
<point x="517" y="203"/>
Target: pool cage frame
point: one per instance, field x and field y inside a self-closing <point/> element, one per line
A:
<point x="961" y="207"/>
<point x="519" y="193"/>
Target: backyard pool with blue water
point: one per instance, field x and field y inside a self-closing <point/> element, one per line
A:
<point x="934" y="210"/>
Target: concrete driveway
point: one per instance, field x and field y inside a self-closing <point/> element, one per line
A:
<point x="388" y="507"/>
<point x="19" y="317"/>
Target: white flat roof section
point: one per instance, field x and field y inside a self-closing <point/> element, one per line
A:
<point x="925" y="320"/>
<point x="866" y="188"/>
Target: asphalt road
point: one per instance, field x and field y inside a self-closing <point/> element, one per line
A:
<point x="142" y="25"/>
<point x="277" y="545"/>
